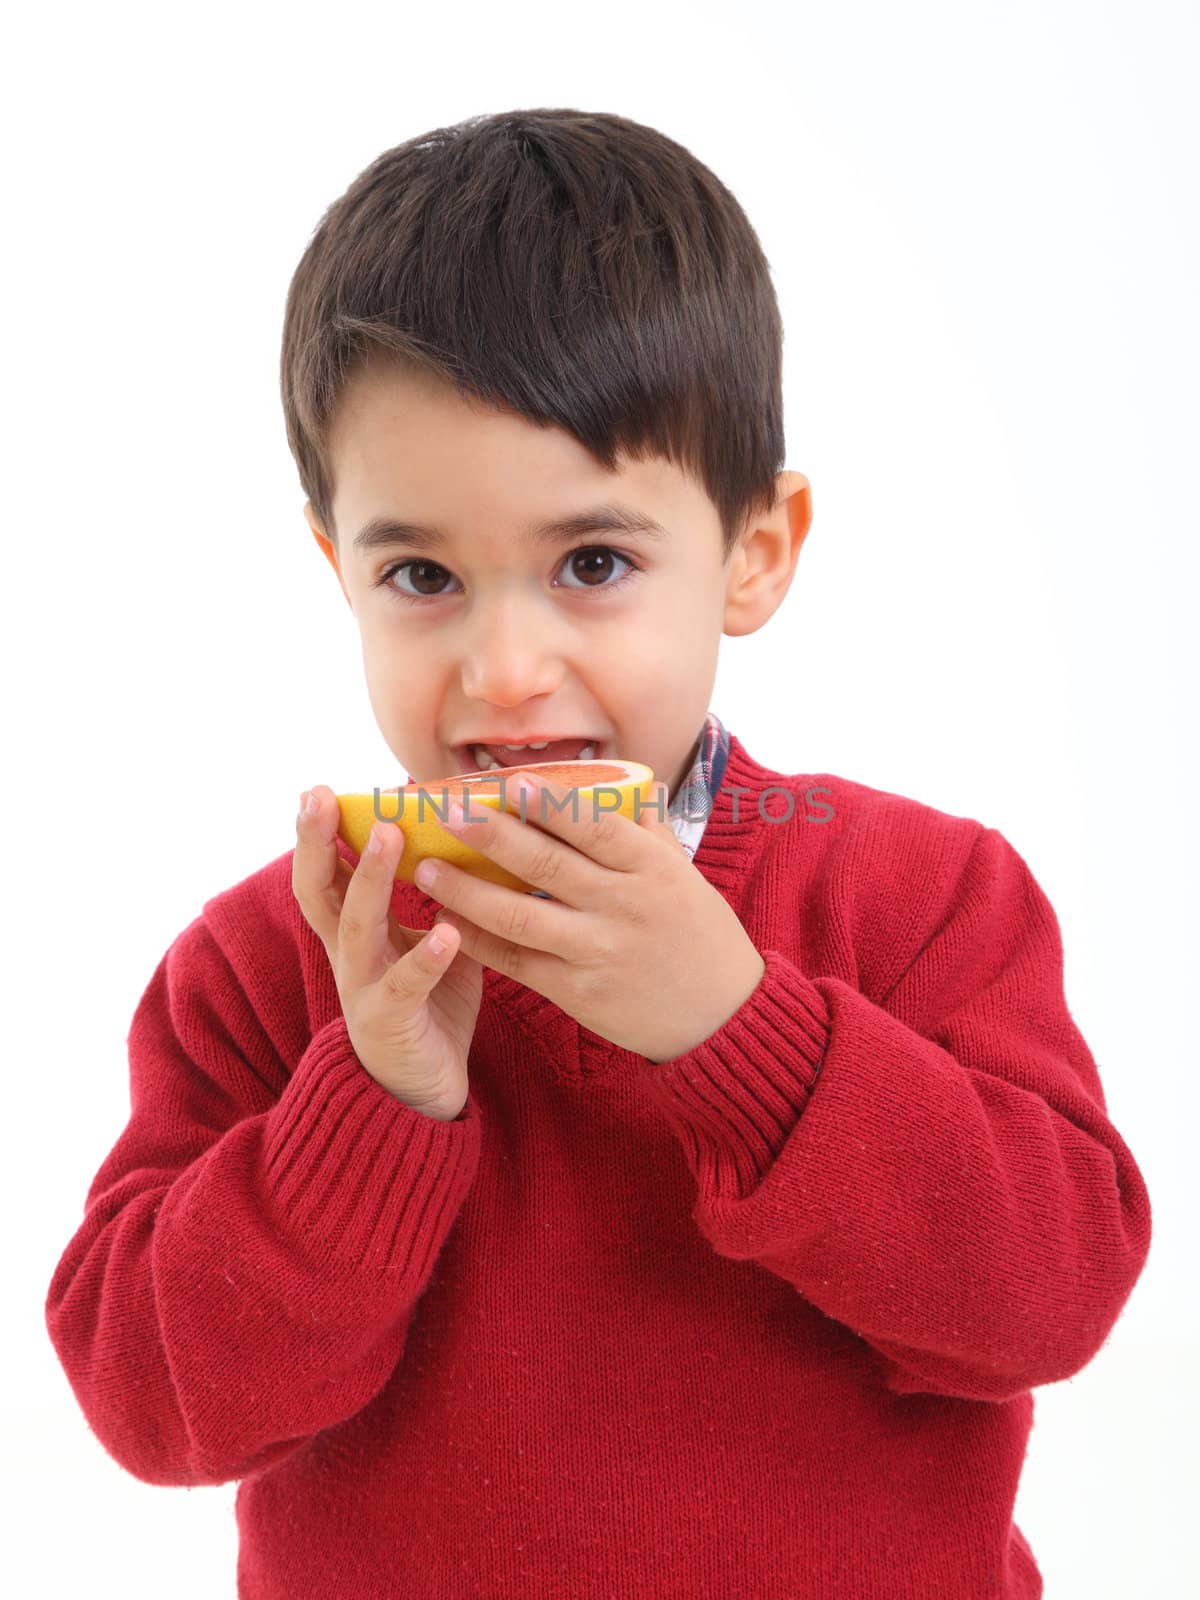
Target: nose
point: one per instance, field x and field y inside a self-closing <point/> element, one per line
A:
<point x="509" y="657"/>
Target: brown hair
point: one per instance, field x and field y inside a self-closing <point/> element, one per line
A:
<point x="576" y="267"/>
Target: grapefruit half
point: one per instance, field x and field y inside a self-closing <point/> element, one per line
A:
<point x="584" y="789"/>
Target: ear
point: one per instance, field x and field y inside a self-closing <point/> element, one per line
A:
<point x="326" y="546"/>
<point x="764" y="560"/>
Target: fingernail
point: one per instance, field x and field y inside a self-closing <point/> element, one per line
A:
<point x="311" y="804"/>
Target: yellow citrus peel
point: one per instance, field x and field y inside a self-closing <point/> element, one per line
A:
<point x="582" y="789"/>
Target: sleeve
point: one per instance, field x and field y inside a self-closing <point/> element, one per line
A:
<point x="936" y="1171"/>
<point x="249" y="1260"/>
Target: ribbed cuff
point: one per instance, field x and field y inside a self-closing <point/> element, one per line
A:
<point x="347" y="1164"/>
<point x="736" y="1097"/>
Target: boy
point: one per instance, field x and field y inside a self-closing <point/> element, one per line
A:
<point x="700" y="1225"/>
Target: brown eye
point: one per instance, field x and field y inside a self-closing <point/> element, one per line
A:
<point x="421" y="574"/>
<point x="591" y="564"/>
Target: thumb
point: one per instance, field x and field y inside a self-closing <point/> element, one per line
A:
<point x="411" y="976"/>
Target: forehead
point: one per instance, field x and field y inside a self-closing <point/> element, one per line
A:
<point x="406" y="444"/>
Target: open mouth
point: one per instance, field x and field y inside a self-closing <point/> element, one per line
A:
<point x="477" y="758"/>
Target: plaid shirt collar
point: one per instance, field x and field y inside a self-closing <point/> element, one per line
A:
<point x="689" y="812"/>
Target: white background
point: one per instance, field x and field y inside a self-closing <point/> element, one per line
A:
<point x="982" y="226"/>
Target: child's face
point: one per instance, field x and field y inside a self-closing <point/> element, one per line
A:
<point x="509" y="637"/>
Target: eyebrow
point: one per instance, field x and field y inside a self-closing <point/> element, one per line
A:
<point x="383" y="531"/>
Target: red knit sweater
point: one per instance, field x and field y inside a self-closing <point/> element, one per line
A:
<point x="760" y="1321"/>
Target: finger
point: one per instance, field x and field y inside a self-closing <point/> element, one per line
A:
<point x="590" y="824"/>
<point x="315" y="865"/>
<point x="364" y="924"/>
<point x="537" y="969"/>
<point x="514" y="917"/>
<point x="654" y="814"/>
<point x="530" y="853"/>
<point x="320" y="897"/>
<point x="402" y="937"/>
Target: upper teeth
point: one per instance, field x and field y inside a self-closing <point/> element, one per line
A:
<point x="484" y="759"/>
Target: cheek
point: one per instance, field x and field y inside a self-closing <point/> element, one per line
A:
<point x="650" y="654"/>
<point x="392" y="654"/>
<point x="395" y="677"/>
<point x="406" y="681"/>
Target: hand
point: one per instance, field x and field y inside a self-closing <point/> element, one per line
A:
<point x="410" y="1013"/>
<point x="636" y="945"/>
